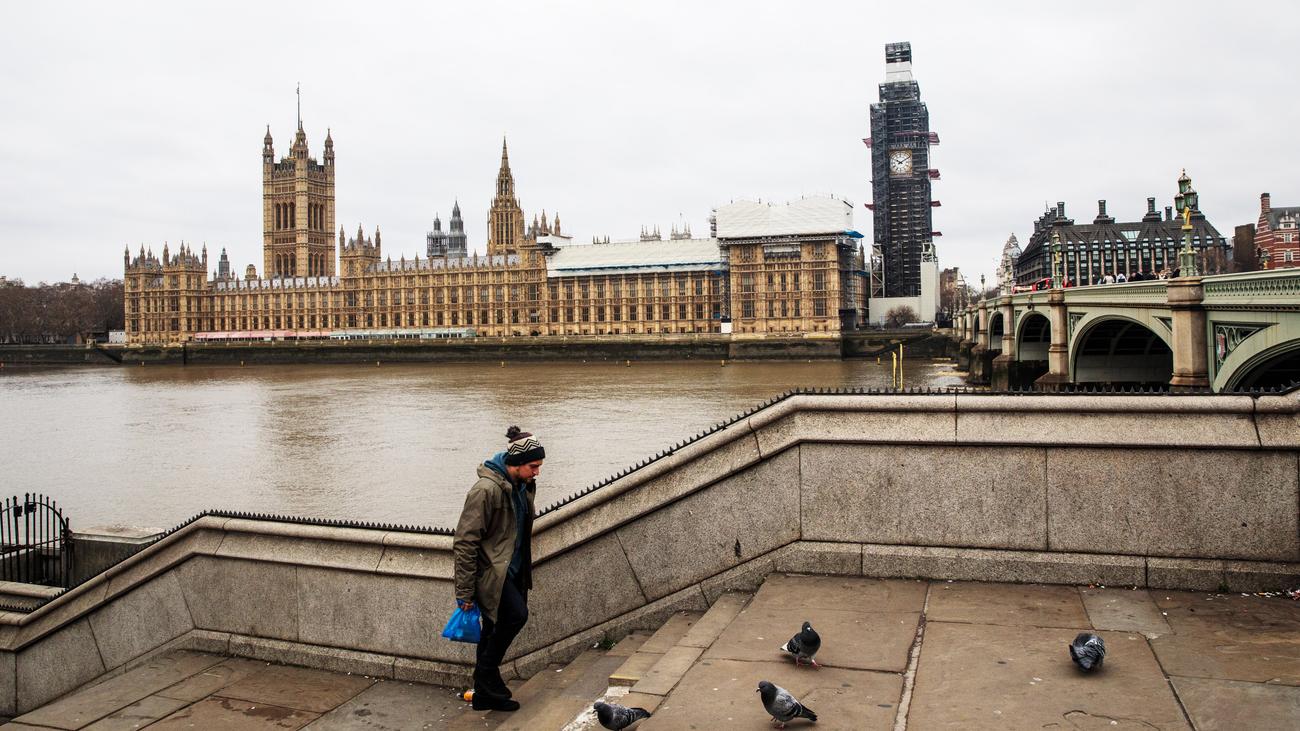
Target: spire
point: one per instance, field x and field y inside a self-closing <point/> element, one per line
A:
<point x="455" y="209"/>
<point x="329" y="138"/>
<point x="298" y="91"/>
<point x="505" y="155"/>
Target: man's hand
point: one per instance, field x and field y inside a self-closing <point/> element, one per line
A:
<point x="464" y="605"/>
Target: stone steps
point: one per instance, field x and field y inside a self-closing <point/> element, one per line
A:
<point x="566" y="692"/>
<point x="652" y="649"/>
<point x="649" y="664"/>
<point x="667" y="671"/>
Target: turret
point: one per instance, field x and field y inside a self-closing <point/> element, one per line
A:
<point x="268" y="150"/>
<point x="329" y="148"/>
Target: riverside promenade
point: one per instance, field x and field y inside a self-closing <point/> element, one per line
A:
<point x="689" y="565"/>
<point x="897" y="654"/>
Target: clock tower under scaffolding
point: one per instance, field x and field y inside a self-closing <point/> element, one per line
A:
<point x="901" y="172"/>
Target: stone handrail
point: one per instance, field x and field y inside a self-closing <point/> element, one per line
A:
<point x="1161" y="491"/>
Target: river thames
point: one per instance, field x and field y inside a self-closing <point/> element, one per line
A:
<point x="150" y="447"/>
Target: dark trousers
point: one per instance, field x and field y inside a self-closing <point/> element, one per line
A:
<point x="512" y="614"/>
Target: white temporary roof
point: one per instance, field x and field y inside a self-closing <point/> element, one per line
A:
<point x="750" y="219"/>
<point x="635" y="256"/>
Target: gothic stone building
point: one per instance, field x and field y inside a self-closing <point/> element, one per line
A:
<point x="1090" y="251"/>
<point x="533" y="281"/>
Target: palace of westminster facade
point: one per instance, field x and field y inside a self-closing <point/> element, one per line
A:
<point x="753" y="281"/>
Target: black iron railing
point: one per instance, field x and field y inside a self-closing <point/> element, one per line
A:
<point x="35" y="541"/>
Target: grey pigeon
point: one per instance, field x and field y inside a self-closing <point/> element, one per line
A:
<point x="781" y="705"/>
<point x="615" y="717"/>
<point x="1087" y="651"/>
<point x="804" y="645"/>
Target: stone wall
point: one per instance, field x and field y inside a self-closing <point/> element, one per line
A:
<point x="1161" y="491"/>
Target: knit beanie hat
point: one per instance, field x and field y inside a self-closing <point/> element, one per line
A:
<point x="524" y="448"/>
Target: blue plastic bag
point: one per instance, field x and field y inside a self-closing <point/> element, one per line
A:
<point x="464" y="626"/>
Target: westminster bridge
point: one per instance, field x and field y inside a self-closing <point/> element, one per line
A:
<point x="1223" y="333"/>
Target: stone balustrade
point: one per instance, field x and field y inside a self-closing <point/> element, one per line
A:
<point x="1164" y="491"/>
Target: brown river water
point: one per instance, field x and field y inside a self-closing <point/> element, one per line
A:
<point x="149" y="447"/>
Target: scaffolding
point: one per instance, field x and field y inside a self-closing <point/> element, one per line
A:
<point x="901" y="199"/>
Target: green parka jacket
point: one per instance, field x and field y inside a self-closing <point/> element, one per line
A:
<point x="485" y="541"/>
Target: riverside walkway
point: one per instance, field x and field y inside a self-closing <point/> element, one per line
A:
<point x="897" y="654"/>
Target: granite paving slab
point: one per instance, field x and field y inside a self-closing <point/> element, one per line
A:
<point x="94" y="702"/>
<point x="139" y="714"/>
<point x="720" y="694"/>
<point x="986" y="676"/>
<point x="304" y="689"/>
<point x="1233" y="637"/>
<point x="1034" y="605"/>
<point x="212" y="679"/>
<point x="232" y="714"/>
<point x="1232" y="704"/>
<point x="841" y="592"/>
<point x="1124" y="610"/>
<point x="856" y="640"/>
<point x="394" y="706"/>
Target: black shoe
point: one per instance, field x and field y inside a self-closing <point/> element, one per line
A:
<point x="491" y="702"/>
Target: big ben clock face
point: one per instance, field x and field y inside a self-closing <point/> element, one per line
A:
<point x="900" y="162"/>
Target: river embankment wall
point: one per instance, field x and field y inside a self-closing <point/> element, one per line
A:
<point x="1196" y="492"/>
<point x="471" y="350"/>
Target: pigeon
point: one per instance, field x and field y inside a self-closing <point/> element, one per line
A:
<point x="1087" y="651"/>
<point x="781" y="705"/>
<point x="615" y="717"/>
<point x="804" y="645"/>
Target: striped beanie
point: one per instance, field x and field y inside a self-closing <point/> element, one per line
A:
<point x="524" y="448"/>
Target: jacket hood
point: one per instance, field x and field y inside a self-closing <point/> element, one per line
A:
<point x="495" y="469"/>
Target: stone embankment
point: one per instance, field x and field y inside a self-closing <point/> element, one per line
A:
<point x="490" y="350"/>
<point x="1180" y="492"/>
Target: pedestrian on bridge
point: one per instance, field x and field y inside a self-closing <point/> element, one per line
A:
<point x="493" y="555"/>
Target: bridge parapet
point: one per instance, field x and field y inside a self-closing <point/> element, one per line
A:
<point x="1274" y="289"/>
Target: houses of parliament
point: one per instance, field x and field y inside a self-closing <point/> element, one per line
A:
<point x="764" y="270"/>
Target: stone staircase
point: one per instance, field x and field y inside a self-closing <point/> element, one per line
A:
<point x="640" y="670"/>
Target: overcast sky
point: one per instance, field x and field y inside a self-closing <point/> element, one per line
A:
<point x="126" y="123"/>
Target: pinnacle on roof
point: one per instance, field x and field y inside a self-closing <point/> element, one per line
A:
<point x="455" y="209"/>
<point x="505" y="156"/>
<point x="267" y="139"/>
<point x="329" y="137"/>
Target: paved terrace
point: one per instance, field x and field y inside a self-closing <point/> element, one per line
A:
<point x="898" y="654"/>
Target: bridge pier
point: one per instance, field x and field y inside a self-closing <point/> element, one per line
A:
<point x="1058" y="353"/>
<point x="1002" y="375"/>
<point x="967" y="342"/>
<point x="1191" y="351"/>
<point x="979" y="361"/>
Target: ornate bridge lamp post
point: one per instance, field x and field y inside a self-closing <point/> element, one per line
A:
<point x="1057" y="277"/>
<point x="1186" y="202"/>
<point x="1185" y="296"/>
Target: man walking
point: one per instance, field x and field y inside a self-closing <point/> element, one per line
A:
<point x="493" y="554"/>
